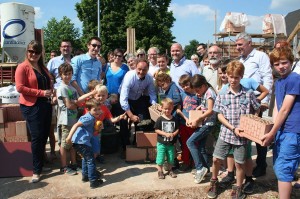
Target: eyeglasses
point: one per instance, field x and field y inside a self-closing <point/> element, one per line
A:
<point x="95" y="45"/>
<point x="118" y="55"/>
<point x="33" y="52"/>
<point x="200" y="49"/>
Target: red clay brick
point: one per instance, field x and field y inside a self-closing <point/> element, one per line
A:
<point x="2" y="130"/>
<point x="10" y="129"/>
<point x="16" y="139"/>
<point x="146" y="139"/>
<point x="3" y="115"/>
<point x="13" y="112"/>
<point x="154" y="112"/>
<point x="135" y="154"/>
<point x="255" y="127"/>
<point x="195" y="114"/>
<point x="21" y="128"/>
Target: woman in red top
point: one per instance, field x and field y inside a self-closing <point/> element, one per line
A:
<point x="33" y="82"/>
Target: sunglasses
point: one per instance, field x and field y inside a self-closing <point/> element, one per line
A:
<point x="118" y="55"/>
<point x="95" y="45"/>
<point x="33" y="52"/>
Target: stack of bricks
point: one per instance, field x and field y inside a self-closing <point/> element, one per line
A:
<point x="255" y="127"/>
<point x="154" y="112"/>
<point x="145" y="149"/>
<point x="12" y="125"/>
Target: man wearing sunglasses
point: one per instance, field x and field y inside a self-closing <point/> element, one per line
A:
<point x="86" y="66"/>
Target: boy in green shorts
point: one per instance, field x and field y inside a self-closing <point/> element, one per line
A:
<point x="166" y="128"/>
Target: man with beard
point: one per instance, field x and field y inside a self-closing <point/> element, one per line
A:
<point x="180" y="65"/>
<point x="86" y="66"/>
<point x="210" y="72"/>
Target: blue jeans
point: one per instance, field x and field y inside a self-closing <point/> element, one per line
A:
<point x="88" y="161"/>
<point x="196" y="145"/>
<point x="38" y="118"/>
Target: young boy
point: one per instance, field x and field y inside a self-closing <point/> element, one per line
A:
<point x="101" y="95"/>
<point x="230" y="105"/>
<point x="162" y="62"/>
<point x="286" y="129"/>
<point x="67" y="102"/>
<point x="166" y="128"/>
<point x="80" y="135"/>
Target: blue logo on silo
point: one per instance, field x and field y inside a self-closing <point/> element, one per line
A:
<point x="13" y="22"/>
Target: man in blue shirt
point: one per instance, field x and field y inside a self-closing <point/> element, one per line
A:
<point x="86" y="66"/>
<point x="180" y="65"/>
<point x="135" y="90"/>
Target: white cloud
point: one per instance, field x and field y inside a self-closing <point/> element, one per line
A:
<point x="189" y="10"/>
<point x="38" y="13"/>
<point x="285" y="4"/>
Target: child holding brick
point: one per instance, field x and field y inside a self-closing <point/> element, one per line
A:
<point x="197" y="141"/>
<point x="286" y="129"/>
<point x="67" y="98"/>
<point x="229" y="105"/>
<point x="80" y="135"/>
<point x="166" y="127"/>
<point x="189" y="102"/>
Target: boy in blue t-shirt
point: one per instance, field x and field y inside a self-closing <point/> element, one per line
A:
<point x="80" y="135"/>
<point x="286" y="129"/>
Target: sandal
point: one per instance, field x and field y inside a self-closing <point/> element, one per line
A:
<point x="161" y="175"/>
<point x="172" y="174"/>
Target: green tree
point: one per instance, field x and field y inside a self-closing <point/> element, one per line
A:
<point x="150" y="18"/>
<point x="191" y="48"/>
<point x="56" y="31"/>
<point x="152" y="22"/>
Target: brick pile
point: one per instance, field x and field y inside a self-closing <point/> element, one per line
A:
<point x="255" y="127"/>
<point x="12" y="125"/>
<point x="145" y="148"/>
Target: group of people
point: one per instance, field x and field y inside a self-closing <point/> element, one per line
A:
<point x="84" y="91"/>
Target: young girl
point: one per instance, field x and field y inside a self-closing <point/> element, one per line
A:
<point x="196" y="142"/>
<point x="189" y="102"/>
<point x="222" y="77"/>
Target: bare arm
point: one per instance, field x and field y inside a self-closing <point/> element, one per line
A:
<point x="76" y="86"/>
<point x="263" y="92"/>
<point x="72" y="131"/>
<point x="117" y="119"/>
<point x="69" y="103"/>
<point x="225" y="122"/>
<point x="279" y="119"/>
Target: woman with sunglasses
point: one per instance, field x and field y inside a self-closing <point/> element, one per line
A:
<point x="33" y="82"/>
<point x="114" y="77"/>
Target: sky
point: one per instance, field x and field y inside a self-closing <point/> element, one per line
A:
<point x="195" y="19"/>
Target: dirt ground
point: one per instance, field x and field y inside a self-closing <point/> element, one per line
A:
<point x="126" y="180"/>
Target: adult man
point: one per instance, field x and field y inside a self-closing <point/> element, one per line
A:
<point x="152" y="58"/>
<point x="136" y="88"/>
<point x="210" y="72"/>
<point x="86" y="66"/>
<point x="201" y="51"/>
<point x="257" y="66"/>
<point x="54" y="63"/>
<point x="180" y="65"/>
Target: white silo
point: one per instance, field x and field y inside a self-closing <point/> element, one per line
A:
<point x="17" y="29"/>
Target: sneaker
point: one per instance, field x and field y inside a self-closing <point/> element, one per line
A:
<point x="75" y="167"/>
<point x="46" y="169"/>
<point x="248" y="187"/>
<point x="96" y="183"/>
<point x="172" y="174"/>
<point x="69" y="171"/>
<point x="183" y="168"/>
<point x="193" y="172"/>
<point x="200" y="176"/>
<point x="226" y="181"/>
<point x="35" y="178"/>
<point x="237" y="193"/>
<point x="84" y="178"/>
<point x="213" y="189"/>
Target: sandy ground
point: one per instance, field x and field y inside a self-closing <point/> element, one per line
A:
<point x="126" y="180"/>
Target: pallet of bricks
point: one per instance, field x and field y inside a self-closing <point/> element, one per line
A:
<point x="145" y="148"/>
<point x="12" y="124"/>
<point x="255" y="127"/>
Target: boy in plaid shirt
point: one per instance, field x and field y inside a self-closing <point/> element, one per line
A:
<point x="230" y="105"/>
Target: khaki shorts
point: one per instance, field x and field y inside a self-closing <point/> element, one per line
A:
<point x="65" y="130"/>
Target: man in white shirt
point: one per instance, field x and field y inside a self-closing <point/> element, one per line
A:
<point x="152" y="58"/>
